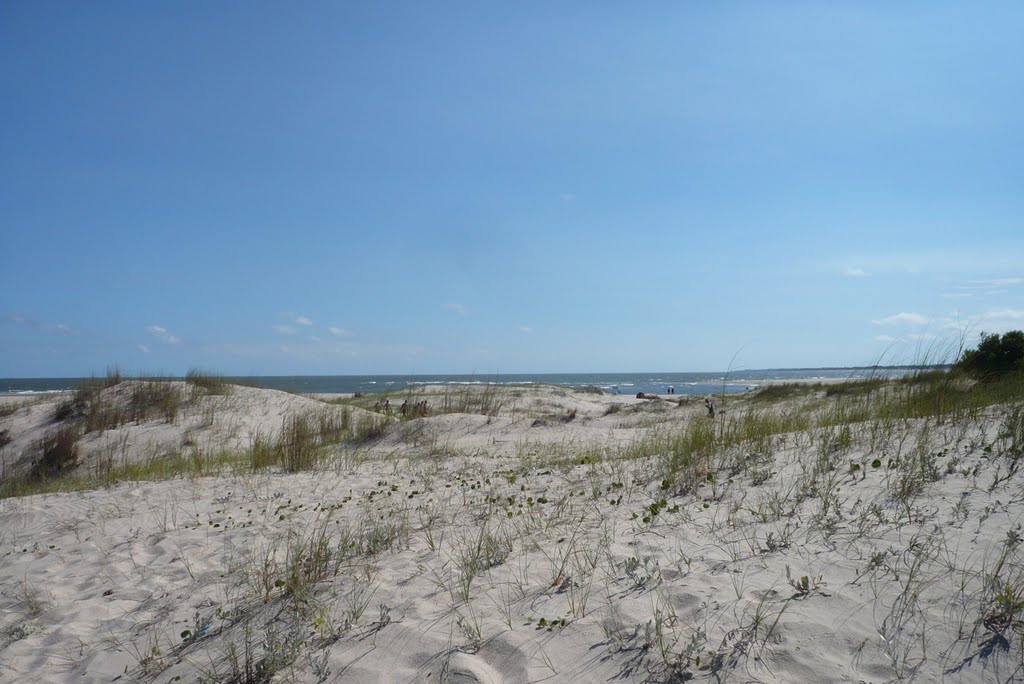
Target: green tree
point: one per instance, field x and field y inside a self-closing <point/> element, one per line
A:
<point x="995" y="356"/>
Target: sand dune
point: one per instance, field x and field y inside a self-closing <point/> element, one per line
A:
<point x="534" y="534"/>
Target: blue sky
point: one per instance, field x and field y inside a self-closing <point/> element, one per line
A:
<point x="466" y="187"/>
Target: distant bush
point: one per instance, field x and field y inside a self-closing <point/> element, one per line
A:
<point x="996" y="355"/>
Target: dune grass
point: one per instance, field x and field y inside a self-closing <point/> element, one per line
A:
<point x="300" y="444"/>
<point x="207" y="382"/>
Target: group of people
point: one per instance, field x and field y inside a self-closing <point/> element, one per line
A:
<point x="420" y="408"/>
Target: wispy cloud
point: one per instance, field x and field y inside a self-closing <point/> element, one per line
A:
<point x="314" y="338"/>
<point x="997" y="282"/>
<point x="45" y="327"/>
<point x="457" y="308"/>
<point x="983" y="287"/>
<point x="964" y="262"/>
<point x="298" y="319"/>
<point x="526" y="329"/>
<point x="284" y="329"/>
<point x="902" y="318"/>
<point x="853" y="272"/>
<point x="142" y="348"/>
<point x="568" y="197"/>
<point x="22" y="320"/>
<point x="163" y="334"/>
<point x="340" y="332"/>
<point x="886" y="338"/>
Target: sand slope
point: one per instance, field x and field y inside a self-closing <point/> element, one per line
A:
<point x="528" y="547"/>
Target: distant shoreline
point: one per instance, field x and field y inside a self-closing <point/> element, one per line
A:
<point x="615" y="383"/>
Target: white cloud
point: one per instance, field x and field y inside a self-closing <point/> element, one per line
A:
<point x="298" y="319"/>
<point x="902" y="318"/>
<point x="163" y="334"/>
<point x="284" y="329"/>
<point x="526" y="329"/>
<point x="457" y="308"/>
<point x="142" y="348"/>
<point x="886" y="338"/>
<point x="340" y="332"/>
<point x="1012" y="314"/>
<point x="568" y="197"/>
<point x="314" y="338"/>
<point x="854" y="272"/>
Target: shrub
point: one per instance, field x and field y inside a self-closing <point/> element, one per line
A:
<point x="996" y="355"/>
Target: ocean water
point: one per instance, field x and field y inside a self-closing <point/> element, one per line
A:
<point x="620" y="383"/>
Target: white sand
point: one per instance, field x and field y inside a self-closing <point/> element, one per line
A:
<point x="452" y="538"/>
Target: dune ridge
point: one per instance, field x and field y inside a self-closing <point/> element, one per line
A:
<point x="867" y="531"/>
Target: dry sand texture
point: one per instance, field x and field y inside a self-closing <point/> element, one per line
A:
<point x="850" y="533"/>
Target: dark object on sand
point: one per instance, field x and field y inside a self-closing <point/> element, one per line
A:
<point x="709" y="404"/>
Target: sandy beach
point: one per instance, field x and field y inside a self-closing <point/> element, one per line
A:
<point x="511" y="535"/>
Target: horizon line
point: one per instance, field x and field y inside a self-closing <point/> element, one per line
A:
<point x="414" y="375"/>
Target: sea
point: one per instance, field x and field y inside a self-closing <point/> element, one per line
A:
<point x="614" y="383"/>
